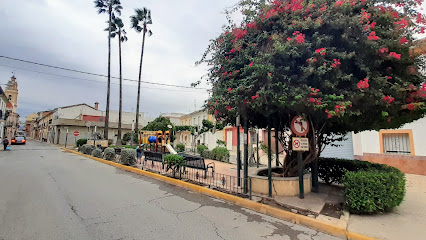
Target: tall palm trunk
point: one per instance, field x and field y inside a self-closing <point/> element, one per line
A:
<point x="109" y="74"/>
<point x="121" y="91"/>
<point x="139" y="83"/>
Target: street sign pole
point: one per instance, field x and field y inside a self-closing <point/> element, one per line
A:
<point x="269" y="161"/>
<point x="238" y="152"/>
<point x="300" y="168"/>
<point x="245" y="155"/>
<point x="314" y="170"/>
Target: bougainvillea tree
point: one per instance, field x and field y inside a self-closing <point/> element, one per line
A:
<point x="345" y="65"/>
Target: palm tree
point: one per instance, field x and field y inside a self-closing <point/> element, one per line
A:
<point x="117" y="29"/>
<point x="111" y="7"/>
<point x="140" y="21"/>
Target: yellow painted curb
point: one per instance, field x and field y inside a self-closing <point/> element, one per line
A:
<point x="258" y="207"/>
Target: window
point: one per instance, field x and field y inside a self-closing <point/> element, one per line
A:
<point x="10" y="97"/>
<point x="397" y="142"/>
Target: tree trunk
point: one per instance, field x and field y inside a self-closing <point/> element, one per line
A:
<point x="120" y="109"/>
<point x="139" y="82"/>
<point x="109" y="74"/>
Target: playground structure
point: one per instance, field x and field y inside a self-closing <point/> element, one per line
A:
<point x="157" y="141"/>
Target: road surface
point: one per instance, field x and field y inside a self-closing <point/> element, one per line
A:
<point x="46" y="193"/>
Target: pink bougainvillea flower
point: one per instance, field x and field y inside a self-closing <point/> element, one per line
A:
<point x="383" y="50"/>
<point x="252" y="25"/>
<point x="289" y="39"/>
<point x="228" y="108"/>
<point x="403" y="40"/>
<point x="216" y="112"/>
<point x="339" y="3"/>
<point x="321" y="51"/>
<point x="401" y="23"/>
<point x="251" y="64"/>
<point x="388" y="99"/>
<point x="363" y="84"/>
<point x="336" y="63"/>
<point x="229" y="90"/>
<point x="395" y="55"/>
<point x="220" y="41"/>
<point x="411" y="106"/>
<point x="373" y="36"/>
<point x="300" y="38"/>
<point x="389" y="77"/>
<point x="312" y="100"/>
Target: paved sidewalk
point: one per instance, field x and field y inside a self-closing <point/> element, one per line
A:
<point x="405" y="222"/>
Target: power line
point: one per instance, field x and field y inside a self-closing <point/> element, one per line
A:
<point x="90" y="80"/>
<point x="96" y="74"/>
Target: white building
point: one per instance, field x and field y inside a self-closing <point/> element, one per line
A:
<point x="3" y="103"/>
<point x="175" y="118"/>
<point x="403" y="148"/>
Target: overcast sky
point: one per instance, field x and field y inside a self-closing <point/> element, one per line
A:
<point x="70" y="34"/>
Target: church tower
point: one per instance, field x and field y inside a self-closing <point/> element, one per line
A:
<point x="11" y="92"/>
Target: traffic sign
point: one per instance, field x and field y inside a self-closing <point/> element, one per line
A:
<point x="76" y="133"/>
<point x="300" y="144"/>
<point x="299" y="126"/>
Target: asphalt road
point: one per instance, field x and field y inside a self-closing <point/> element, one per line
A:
<point x="46" y="193"/>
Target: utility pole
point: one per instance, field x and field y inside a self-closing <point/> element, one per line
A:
<point x="238" y="152"/>
<point x="245" y="155"/>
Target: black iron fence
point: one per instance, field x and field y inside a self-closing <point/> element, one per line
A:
<point x="210" y="179"/>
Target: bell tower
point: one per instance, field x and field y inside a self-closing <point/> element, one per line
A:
<point x="11" y="92"/>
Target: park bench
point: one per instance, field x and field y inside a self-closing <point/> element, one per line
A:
<point x="196" y="162"/>
<point x="154" y="157"/>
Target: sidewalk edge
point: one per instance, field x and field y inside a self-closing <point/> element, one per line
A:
<point x="255" y="206"/>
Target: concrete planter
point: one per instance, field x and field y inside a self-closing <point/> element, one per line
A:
<point x="281" y="186"/>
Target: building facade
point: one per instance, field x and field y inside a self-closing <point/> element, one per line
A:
<point x="3" y="115"/>
<point x="12" y="122"/>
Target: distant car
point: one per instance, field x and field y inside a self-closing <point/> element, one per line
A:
<point x="18" y="140"/>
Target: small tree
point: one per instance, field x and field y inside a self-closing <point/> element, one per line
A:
<point x="174" y="163"/>
<point x="344" y="65"/>
<point x="159" y="124"/>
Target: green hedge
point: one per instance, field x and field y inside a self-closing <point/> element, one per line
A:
<point x="180" y="147"/>
<point x="97" y="153"/>
<point x="374" y="191"/>
<point x="369" y="187"/>
<point x="109" y="154"/>
<point x="332" y="170"/>
<point x="80" y="142"/>
<point x="207" y="154"/>
<point x="174" y="163"/>
<point x="201" y="148"/>
<point x="128" y="157"/>
<point x="220" y="154"/>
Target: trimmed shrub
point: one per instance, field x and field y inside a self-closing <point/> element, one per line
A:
<point x="128" y="157"/>
<point x="206" y="154"/>
<point x="174" y="162"/>
<point x="220" y="154"/>
<point x="87" y="149"/>
<point x="201" y="148"/>
<point x="180" y="147"/>
<point x="97" y="153"/>
<point x="332" y="170"/>
<point x="81" y="142"/>
<point x="109" y="154"/>
<point x="374" y="190"/>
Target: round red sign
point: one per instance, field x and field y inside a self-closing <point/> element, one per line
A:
<point x="76" y="133"/>
<point x="299" y="126"/>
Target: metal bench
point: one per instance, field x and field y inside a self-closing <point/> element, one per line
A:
<point x="198" y="163"/>
<point x="154" y="157"/>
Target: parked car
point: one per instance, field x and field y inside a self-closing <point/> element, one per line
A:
<point x="18" y="140"/>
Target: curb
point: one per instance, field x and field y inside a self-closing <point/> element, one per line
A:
<point x="255" y="206"/>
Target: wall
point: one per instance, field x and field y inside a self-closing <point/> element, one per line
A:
<point x="84" y="133"/>
<point x="407" y="164"/>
